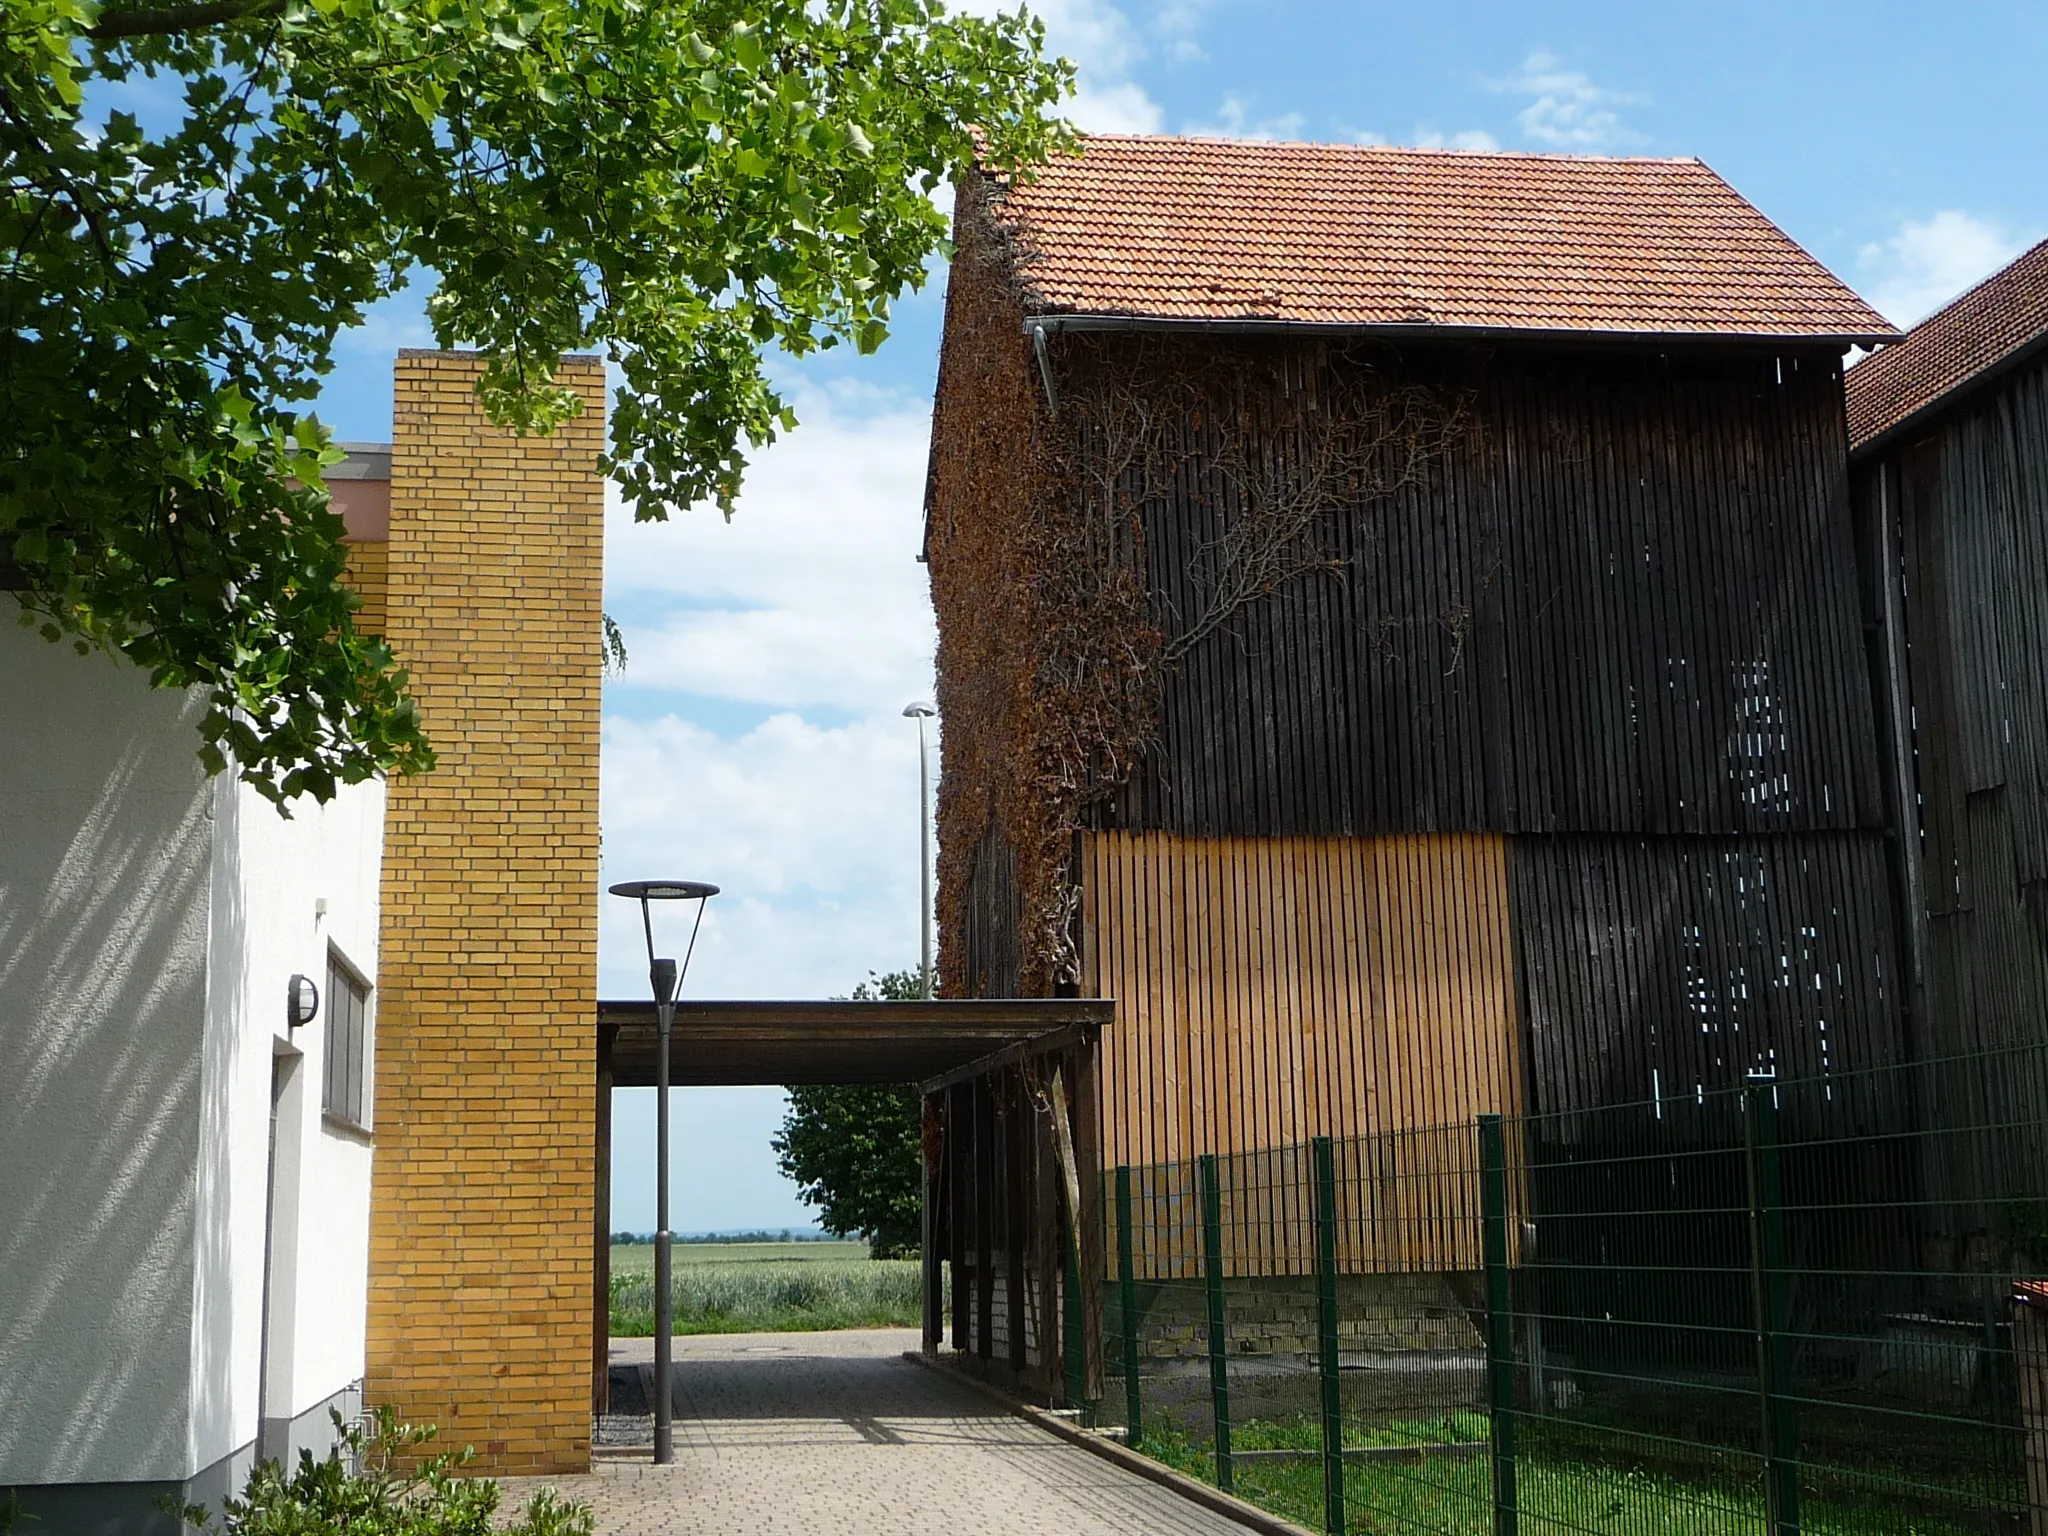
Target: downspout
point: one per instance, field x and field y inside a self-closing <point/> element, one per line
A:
<point x="1043" y="353"/>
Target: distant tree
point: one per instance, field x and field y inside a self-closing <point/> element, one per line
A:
<point x="856" y="1150"/>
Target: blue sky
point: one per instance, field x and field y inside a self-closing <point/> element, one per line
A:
<point x="756" y="738"/>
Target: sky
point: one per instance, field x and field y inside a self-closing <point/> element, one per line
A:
<point x="756" y="738"/>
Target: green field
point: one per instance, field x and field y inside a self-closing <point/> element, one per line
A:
<point x="766" y="1288"/>
<point x="638" y="1258"/>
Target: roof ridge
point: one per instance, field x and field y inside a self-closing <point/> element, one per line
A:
<point x="1998" y="274"/>
<point x="1344" y="147"/>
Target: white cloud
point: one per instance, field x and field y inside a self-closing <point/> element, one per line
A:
<point x="1930" y="261"/>
<point x="1566" y="110"/>
<point x="812" y="594"/>
<point x="810" y="830"/>
<point x="1122" y="107"/>
<point x="1106" y="47"/>
<point x="1176" y="22"/>
<point x="1232" y="122"/>
<point x="1427" y="137"/>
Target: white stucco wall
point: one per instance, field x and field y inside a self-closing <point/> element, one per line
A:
<point x="272" y="876"/>
<point x="105" y="832"/>
<point x="149" y="920"/>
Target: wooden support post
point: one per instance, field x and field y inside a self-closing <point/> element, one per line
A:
<point x="1045" y="1179"/>
<point x="1093" y="1266"/>
<point x="932" y="1162"/>
<point x="601" y="1258"/>
<point x="959" y="1165"/>
<point x="985" y="1155"/>
<point x="1017" y="1114"/>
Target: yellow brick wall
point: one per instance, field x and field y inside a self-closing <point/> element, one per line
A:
<point x="367" y="574"/>
<point x="481" y="1212"/>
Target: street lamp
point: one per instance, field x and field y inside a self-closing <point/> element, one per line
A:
<point x="666" y="977"/>
<point x="921" y="713"/>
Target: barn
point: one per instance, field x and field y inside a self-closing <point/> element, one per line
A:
<point x="1400" y="636"/>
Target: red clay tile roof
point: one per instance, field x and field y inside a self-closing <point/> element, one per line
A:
<point x="1991" y="324"/>
<point x="1173" y="229"/>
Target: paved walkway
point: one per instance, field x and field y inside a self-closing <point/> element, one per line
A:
<point x="827" y="1433"/>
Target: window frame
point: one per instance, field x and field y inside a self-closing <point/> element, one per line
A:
<point x="357" y="1052"/>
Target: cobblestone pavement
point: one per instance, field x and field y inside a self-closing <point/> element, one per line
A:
<point x="827" y="1433"/>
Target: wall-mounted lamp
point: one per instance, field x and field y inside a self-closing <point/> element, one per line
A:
<point x="301" y="1001"/>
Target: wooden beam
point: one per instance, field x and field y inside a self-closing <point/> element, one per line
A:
<point x="1049" y="1043"/>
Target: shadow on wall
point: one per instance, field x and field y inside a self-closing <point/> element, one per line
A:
<point x="103" y="946"/>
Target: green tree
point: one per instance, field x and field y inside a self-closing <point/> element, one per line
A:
<point x="681" y="186"/>
<point x="856" y="1150"/>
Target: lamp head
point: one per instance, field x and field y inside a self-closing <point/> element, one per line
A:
<point x="663" y="976"/>
<point x="918" y="711"/>
<point x="664" y="890"/>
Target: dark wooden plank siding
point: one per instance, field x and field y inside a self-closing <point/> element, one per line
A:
<point x="1625" y="601"/>
<point x="1654" y="968"/>
<point x="1969" y="504"/>
<point x="990" y="943"/>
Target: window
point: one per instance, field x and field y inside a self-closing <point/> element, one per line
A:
<point x="348" y="1041"/>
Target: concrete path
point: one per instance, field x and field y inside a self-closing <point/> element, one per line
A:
<point x="826" y="1433"/>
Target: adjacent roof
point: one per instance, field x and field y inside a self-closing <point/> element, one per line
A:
<point x="1207" y="230"/>
<point x="1995" y="324"/>
<point x="835" y="1042"/>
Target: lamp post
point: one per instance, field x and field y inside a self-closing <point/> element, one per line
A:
<point x="666" y="977"/>
<point x="920" y="713"/>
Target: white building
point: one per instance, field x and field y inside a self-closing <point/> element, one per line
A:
<point x="184" y="1175"/>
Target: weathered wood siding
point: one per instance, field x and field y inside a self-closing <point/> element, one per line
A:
<point x="1625" y="601"/>
<point x="1971" y="501"/>
<point x="1274" y="989"/>
<point x="1652" y="968"/>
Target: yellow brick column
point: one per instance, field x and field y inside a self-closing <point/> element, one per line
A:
<point x="481" y="1207"/>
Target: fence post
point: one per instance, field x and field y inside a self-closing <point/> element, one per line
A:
<point x="1770" y="1295"/>
<point x="1326" y="1336"/>
<point x="1127" y="1304"/>
<point x="1500" y="1322"/>
<point x="1219" y="1341"/>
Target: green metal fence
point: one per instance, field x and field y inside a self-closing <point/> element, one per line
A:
<point x="1787" y="1306"/>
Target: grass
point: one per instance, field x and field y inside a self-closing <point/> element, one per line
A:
<point x="766" y="1288"/>
<point x="1556" y="1496"/>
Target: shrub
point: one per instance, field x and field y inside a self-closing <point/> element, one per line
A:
<point x="374" y="1483"/>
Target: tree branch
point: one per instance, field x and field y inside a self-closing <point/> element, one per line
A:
<point x="170" y="20"/>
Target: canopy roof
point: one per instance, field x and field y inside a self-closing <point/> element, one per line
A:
<point x="721" y="1043"/>
<point x="1201" y="232"/>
